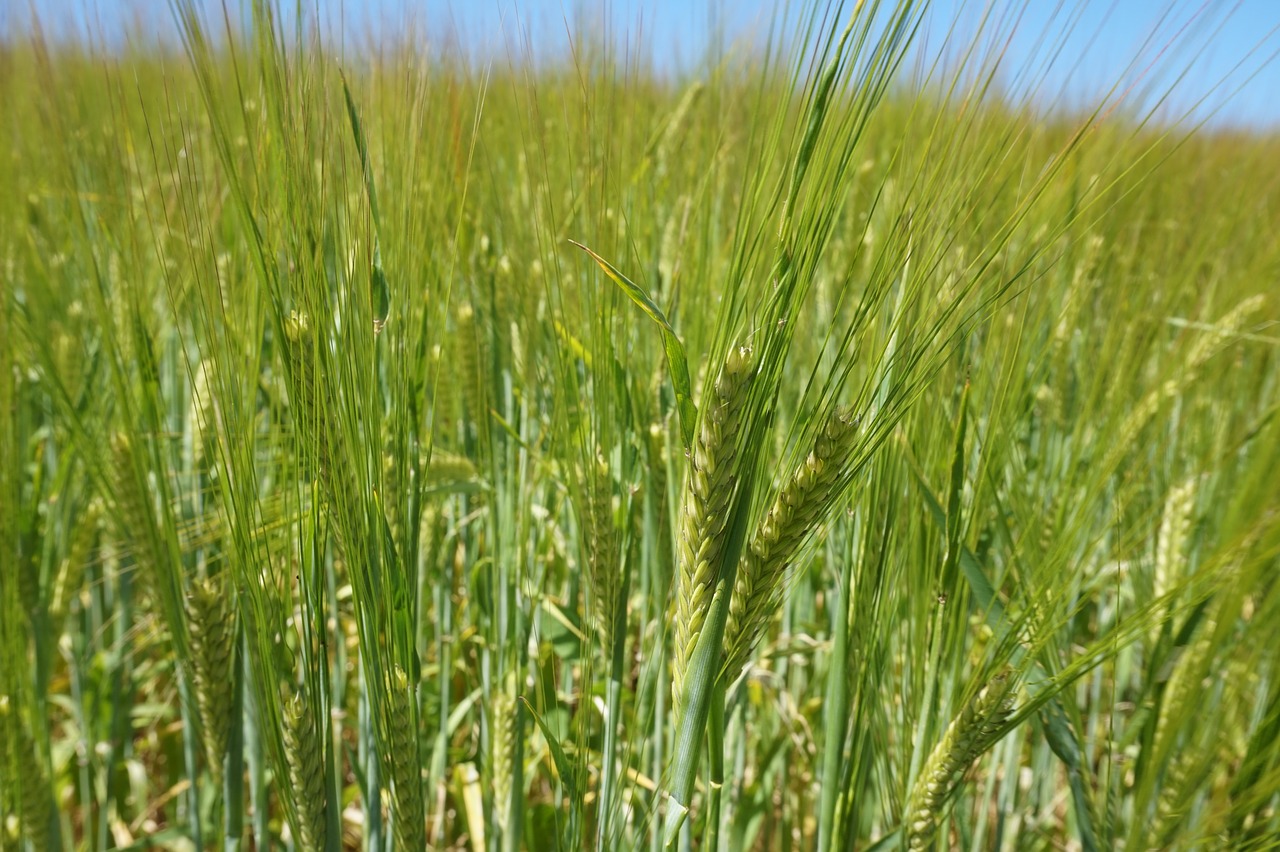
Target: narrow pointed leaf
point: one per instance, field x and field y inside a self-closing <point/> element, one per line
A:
<point x="677" y="362"/>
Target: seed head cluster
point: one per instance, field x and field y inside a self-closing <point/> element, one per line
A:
<point x="967" y="737"/>
<point x="409" y="823"/>
<point x="304" y="755"/>
<point x="704" y="515"/>
<point x="795" y="513"/>
<point x="211" y="626"/>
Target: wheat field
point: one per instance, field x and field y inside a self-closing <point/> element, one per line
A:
<point x="830" y="446"/>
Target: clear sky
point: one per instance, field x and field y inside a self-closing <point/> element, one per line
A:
<point x="1063" y="52"/>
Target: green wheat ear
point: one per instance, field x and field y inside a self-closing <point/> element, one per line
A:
<point x="409" y="821"/>
<point x="35" y="808"/>
<point x="969" y="735"/>
<point x="304" y="756"/>
<point x="470" y="356"/>
<point x="798" y="509"/>
<point x="306" y="396"/>
<point x="602" y="547"/>
<point x="136" y="517"/>
<point x="70" y="575"/>
<point x="212" y="628"/>
<point x="502" y="718"/>
<point x="703" y="519"/>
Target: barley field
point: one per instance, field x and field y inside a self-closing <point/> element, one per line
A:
<point x="833" y="445"/>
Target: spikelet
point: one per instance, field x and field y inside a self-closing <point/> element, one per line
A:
<point x="1179" y="782"/>
<point x="446" y="468"/>
<point x="967" y="737"/>
<point x="798" y="509"/>
<point x="1221" y="333"/>
<point x="469" y="360"/>
<point x="136" y="513"/>
<point x="1200" y="352"/>
<point x="71" y="572"/>
<point x="1171" y="541"/>
<point x="134" y="505"/>
<point x="602" y="546"/>
<point x="305" y="394"/>
<point x="505" y="303"/>
<point x="35" y="803"/>
<point x="704" y="514"/>
<point x="1135" y="421"/>
<point x="212" y="628"/>
<point x="68" y="351"/>
<point x="502" y="721"/>
<point x="1049" y="526"/>
<point x="1192" y="665"/>
<point x="304" y="756"/>
<point x="1077" y="295"/>
<point x="202" y="412"/>
<point x="409" y="822"/>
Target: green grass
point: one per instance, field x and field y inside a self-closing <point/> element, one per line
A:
<point x="813" y="451"/>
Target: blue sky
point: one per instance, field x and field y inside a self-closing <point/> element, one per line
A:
<point x="1061" y="52"/>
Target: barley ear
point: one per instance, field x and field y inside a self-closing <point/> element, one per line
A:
<point x="966" y="738"/>
<point x="1173" y="536"/>
<point x="304" y="756"/>
<point x="35" y="807"/>
<point x="470" y="353"/>
<point x="306" y="397"/>
<point x="212" y="628"/>
<point x="602" y="546"/>
<point x="202" y="412"/>
<point x="799" y="508"/>
<point x="136" y="513"/>
<point x="70" y="574"/>
<point x="704" y="515"/>
<point x="409" y="821"/>
<point x="502" y="721"/>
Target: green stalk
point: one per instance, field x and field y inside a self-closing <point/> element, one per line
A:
<point x="613" y="704"/>
<point x="699" y="688"/>
<point x="613" y="709"/>
<point x="191" y="747"/>
<point x="924" y="731"/>
<point x="368" y="756"/>
<point x="715" y="761"/>
<point x="659" y="735"/>
<point x="233" y="774"/>
<point x="76" y="676"/>
<point x="835" y="711"/>
<point x="255" y="761"/>
<point x="336" y="682"/>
